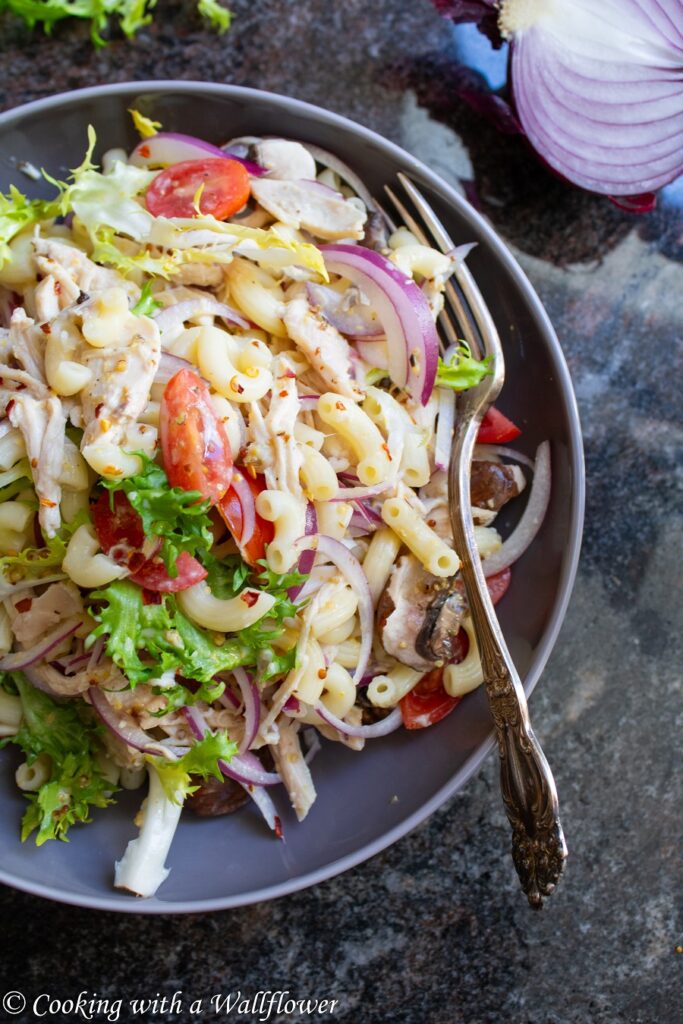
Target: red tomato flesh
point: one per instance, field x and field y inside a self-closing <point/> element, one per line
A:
<point x="496" y="428"/>
<point x="230" y="509"/>
<point x="173" y="191"/>
<point x="121" y="535"/>
<point x="428" y="702"/>
<point x="498" y="584"/>
<point x="195" y="447"/>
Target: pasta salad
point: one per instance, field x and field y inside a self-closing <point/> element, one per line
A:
<point x="225" y="425"/>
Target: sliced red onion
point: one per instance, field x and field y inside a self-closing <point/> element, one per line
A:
<point x="352" y="571"/>
<point x="349" y="177"/>
<point x="368" y="512"/>
<point x="292" y="705"/>
<point x="166" y="148"/>
<point x="35" y="679"/>
<point x="96" y="654"/>
<point x="403" y="311"/>
<point x="307" y="558"/>
<point x="314" y="745"/>
<point x="532" y="518"/>
<point x="355" y="320"/>
<point x="481" y="451"/>
<point x="125" y="728"/>
<point x="245" y="768"/>
<point x="246" y="499"/>
<point x="445" y="423"/>
<point x="391" y="723"/>
<point x="373" y="351"/>
<point x="38" y="652"/>
<point x="264" y="802"/>
<point x="177" y="314"/>
<point x="598" y="89"/>
<point x="252" y="708"/>
<point x="309" y="402"/>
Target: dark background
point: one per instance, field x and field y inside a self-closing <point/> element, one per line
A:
<point x="434" y="929"/>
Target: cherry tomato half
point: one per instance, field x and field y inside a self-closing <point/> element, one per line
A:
<point x="230" y="508"/>
<point x="195" y="447"/>
<point x="498" y="584"/>
<point x="496" y="428"/>
<point x="428" y="702"/>
<point x="121" y="535"/>
<point x="173" y="191"/>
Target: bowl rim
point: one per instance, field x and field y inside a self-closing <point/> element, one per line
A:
<point x="570" y="561"/>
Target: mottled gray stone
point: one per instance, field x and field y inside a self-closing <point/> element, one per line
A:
<point x="434" y="930"/>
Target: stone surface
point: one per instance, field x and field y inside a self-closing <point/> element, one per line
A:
<point x="434" y="931"/>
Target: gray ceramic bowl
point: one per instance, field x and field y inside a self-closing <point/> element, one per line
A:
<point x="230" y="861"/>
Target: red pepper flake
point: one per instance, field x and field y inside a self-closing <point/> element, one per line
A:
<point x="98" y="409"/>
<point x="322" y="673"/>
<point x="46" y="503"/>
<point x="46" y="329"/>
<point x="385" y="446"/>
<point x="144" y="151"/>
<point x="340" y="406"/>
<point x="136" y="561"/>
<point x="151" y="597"/>
<point x="279" y="834"/>
<point x="283" y="394"/>
<point x="58" y="288"/>
<point x="249" y="598"/>
<point x="431" y="522"/>
<point x="10" y="406"/>
<point x="24" y="605"/>
<point x="34" y="463"/>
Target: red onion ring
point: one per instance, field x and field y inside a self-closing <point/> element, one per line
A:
<point x="245" y="768"/>
<point x="309" y="402"/>
<point x="481" y="451"/>
<point x="248" y="506"/>
<point x="23" y="659"/>
<point x="532" y="518"/>
<point x="402" y="309"/>
<point x="387" y="725"/>
<point x="347" y="321"/>
<point x="352" y="571"/>
<point x="177" y="314"/>
<point x="307" y="559"/>
<point x="349" y="177"/>
<point x="125" y="728"/>
<point x="166" y="148"/>
<point x="357" y="493"/>
<point x="252" y="708"/>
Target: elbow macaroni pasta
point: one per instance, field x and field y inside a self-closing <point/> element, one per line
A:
<point x="426" y="545"/>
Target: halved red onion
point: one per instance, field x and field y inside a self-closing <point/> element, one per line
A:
<point x="177" y="314"/>
<point x="125" y="728"/>
<point x="445" y="423"/>
<point x="598" y="90"/>
<point x="356" y="320"/>
<point x="252" y="708"/>
<point x="307" y="558"/>
<point x="352" y="570"/>
<point x="166" y="148"/>
<point x="391" y="723"/>
<point x="38" y="652"/>
<point x="403" y="311"/>
<point x="246" y="499"/>
<point x="532" y="518"/>
<point x="349" y="177"/>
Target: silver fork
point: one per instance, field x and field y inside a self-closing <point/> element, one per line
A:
<point x="539" y="850"/>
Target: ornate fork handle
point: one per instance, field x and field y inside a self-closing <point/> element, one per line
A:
<point x="539" y="850"/>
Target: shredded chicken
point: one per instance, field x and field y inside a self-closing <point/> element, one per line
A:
<point x="122" y="380"/>
<point x="61" y="601"/>
<point x="310" y="206"/>
<point x="42" y="423"/>
<point x="28" y="344"/>
<point x="295" y="773"/>
<point x="325" y="348"/>
<point x="73" y="271"/>
<point x="46" y="298"/>
<point x="285" y="159"/>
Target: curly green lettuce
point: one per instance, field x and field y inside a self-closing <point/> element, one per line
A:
<point x="66" y="737"/>
<point x="462" y="370"/>
<point x="201" y="761"/>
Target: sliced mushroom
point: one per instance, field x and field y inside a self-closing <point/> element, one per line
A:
<point x="419" y="615"/>
<point x="493" y="484"/>
<point x="284" y="159"/>
<point x="214" y="798"/>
